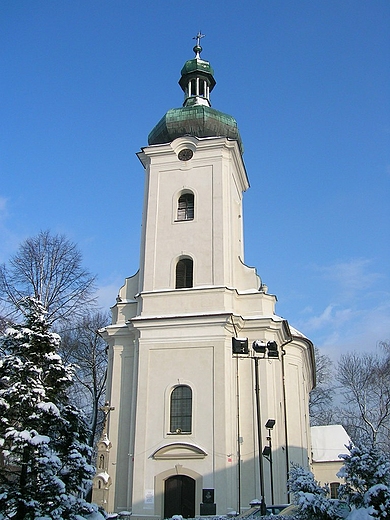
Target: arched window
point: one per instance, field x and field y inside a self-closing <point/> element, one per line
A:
<point x="181" y="410"/>
<point x="184" y="273"/>
<point x="185" y="207"/>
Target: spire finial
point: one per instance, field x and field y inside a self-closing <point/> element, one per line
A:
<point x="198" y="49"/>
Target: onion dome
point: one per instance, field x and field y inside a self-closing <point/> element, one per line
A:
<point x="195" y="117"/>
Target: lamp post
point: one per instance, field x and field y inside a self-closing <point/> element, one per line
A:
<point x="263" y="507"/>
<point x="267" y="350"/>
<point x="260" y="350"/>
<point x="267" y="453"/>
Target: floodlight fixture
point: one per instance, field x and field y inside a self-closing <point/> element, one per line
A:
<point x="270" y="424"/>
<point x="272" y="347"/>
<point x="240" y="346"/>
<point x="259" y="346"/>
<point x="266" y="451"/>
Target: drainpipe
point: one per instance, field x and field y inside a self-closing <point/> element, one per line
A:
<point x="287" y="328"/>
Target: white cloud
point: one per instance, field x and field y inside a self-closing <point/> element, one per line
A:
<point x="106" y="294"/>
<point x="317" y="322"/>
<point x="331" y="315"/>
<point x="9" y="241"/>
<point x="3" y="207"/>
<point x="350" y="277"/>
<point x="354" y="312"/>
<point x="346" y="330"/>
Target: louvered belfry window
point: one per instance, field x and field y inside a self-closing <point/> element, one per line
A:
<point x="184" y="273"/>
<point x="185" y="207"/>
<point x="181" y="409"/>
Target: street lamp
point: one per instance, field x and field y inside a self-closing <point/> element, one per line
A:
<point x="263" y="507"/>
<point x="267" y="453"/>
<point x="266" y="350"/>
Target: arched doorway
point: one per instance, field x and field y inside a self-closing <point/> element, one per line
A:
<point x="179" y="496"/>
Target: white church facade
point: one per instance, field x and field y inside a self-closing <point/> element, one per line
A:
<point x="198" y="359"/>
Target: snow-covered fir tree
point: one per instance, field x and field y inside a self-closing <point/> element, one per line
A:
<point x="45" y="459"/>
<point x="366" y="488"/>
<point x="312" y="498"/>
<point x="366" y="472"/>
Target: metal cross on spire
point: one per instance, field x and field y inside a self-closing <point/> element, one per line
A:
<point x="198" y="37"/>
<point x="198" y="49"/>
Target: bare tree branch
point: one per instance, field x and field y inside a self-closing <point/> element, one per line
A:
<point x="83" y="346"/>
<point x="49" y="268"/>
<point x="365" y="382"/>
<point x="321" y="397"/>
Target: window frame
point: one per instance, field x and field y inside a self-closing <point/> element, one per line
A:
<point x="188" y="273"/>
<point x="186" y="213"/>
<point x="182" y="415"/>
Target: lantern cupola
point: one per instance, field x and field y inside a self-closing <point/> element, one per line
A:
<point x="196" y="117"/>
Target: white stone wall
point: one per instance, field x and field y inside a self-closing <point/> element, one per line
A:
<point x="162" y="337"/>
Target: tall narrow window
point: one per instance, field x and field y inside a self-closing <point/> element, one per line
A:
<point x="202" y="85"/>
<point x="185" y="207"/>
<point x="181" y="409"/>
<point x="184" y="273"/>
<point x="334" y="489"/>
<point x="192" y="87"/>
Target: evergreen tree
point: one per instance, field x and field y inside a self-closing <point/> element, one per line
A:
<point x="43" y="439"/>
<point x="311" y="498"/>
<point x="366" y="471"/>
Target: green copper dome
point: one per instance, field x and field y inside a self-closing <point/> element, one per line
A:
<point x="195" y="120"/>
<point x="196" y="65"/>
<point x="195" y="117"/>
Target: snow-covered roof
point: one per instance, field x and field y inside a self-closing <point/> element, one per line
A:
<point x="104" y="476"/>
<point x="327" y="442"/>
<point x="296" y="332"/>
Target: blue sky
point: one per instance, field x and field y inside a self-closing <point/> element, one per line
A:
<point x="83" y="83"/>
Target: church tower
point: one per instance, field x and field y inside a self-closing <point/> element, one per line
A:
<point x="198" y="359"/>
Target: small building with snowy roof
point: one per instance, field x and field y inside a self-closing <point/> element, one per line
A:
<point x="327" y="443"/>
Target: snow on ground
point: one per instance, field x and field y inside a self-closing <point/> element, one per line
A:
<point x="360" y="514"/>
